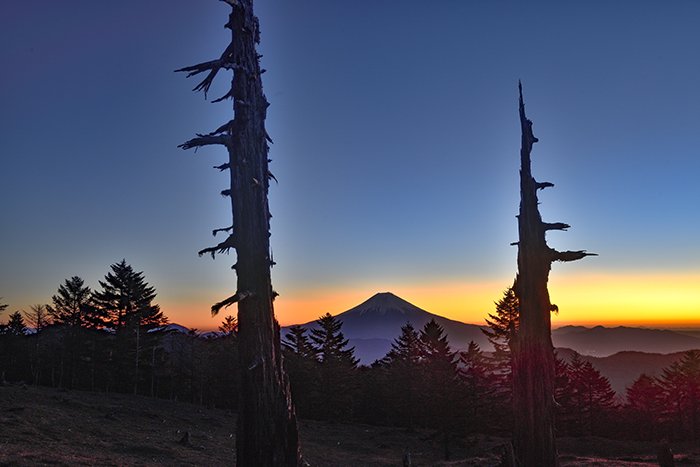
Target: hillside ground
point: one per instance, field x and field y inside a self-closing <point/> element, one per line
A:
<point x="43" y="426"/>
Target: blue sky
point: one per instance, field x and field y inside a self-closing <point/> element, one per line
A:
<point x="396" y="143"/>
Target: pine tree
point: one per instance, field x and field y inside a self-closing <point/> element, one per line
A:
<point x="404" y="375"/>
<point x="406" y="349"/>
<point x="644" y="407"/>
<point x="126" y="300"/>
<point x="229" y="326"/>
<point x="480" y="393"/>
<point x="71" y="305"/>
<point x="503" y="325"/>
<point x="501" y="333"/>
<point x="680" y="383"/>
<point x="440" y="371"/>
<point x="296" y="342"/>
<point x="330" y="344"/>
<point x="337" y="366"/>
<point x="592" y="397"/>
<point x="302" y="365"/>
<point x="16" y="325"/>
<point x="267" y="433"/>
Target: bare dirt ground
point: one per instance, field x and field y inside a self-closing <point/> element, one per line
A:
<point x="42" y="426"/>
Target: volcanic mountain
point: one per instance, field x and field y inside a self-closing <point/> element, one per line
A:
<point x="372" y="326"/>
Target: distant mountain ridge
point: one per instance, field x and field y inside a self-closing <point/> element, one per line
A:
<point x="372" y="326"/>
<point x="600" y="341"/>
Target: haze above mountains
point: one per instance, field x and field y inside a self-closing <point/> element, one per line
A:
<point x="373" y="325"/>
<point x="620" y="353"/>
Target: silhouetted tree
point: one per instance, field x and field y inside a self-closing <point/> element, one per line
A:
<point x="3" y="306"/>
<point x="302" y="365"/>
<point x="71" y="305"/>
<point x="533" y="352"/>
<point x="591" y="398"/>
<point x="337" y="367"/>
<point x="502" y="329"/>
<point x="405" y="376"/>
<point x="16" y="325"/>
<point x="503" y="325"/>
<point x="480" y="392"/>
<point x="644" y="407"/>
<point x="440" y="370"/>
<point x="126" y="300"/>
<point x="72" y="309"/>
<point x="229" y="326"/>
<point x="267" y="431"/>
<point x="680" y="383"/>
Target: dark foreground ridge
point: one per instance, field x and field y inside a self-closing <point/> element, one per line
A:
<point x="50" y="426"/>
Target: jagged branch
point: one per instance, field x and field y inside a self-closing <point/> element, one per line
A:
<point x="565" y="256"/>
<point x="223" y="229"/>
<point x="227" y="127"/>
<point x="223" y="167"/>
<point x="206" y="140"/>
<point x="222" y="247"/>
<point x="270" y="176"/>
<point x="543" y="185"/>
<point x="226" y="192"/>
<point x="555" y="226"/>
<point x="235" y="298"/>
<point x="213" y="66"/>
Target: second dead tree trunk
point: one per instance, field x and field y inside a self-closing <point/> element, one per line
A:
<point x="533" y="352"/>
<point x="267" y="429"/>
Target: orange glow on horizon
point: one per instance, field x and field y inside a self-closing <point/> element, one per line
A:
<point x="632" y="299"/>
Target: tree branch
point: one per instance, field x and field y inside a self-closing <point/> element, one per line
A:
<point x="555" y="226"/>
<point x="223" y="229"/>
<point x="223" y="167"/>
<point x="237" y="297"/>
<point x="222" y="247"/>
<point x="205" y="140"/>
<point x="213" y="66"/>
<point x="543" y="185"/>
<point x="565" y="256"/>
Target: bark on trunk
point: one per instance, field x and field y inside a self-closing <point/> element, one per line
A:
<point x="267" y="430"/>
<point x="533" y="353"/>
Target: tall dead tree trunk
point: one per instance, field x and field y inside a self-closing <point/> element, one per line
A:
<point x="267" y="430"/>
<point x="533" y="353"/>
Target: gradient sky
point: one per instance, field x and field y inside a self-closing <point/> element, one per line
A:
<point x="396" y="147"/>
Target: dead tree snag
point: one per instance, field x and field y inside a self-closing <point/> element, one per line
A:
<point x="533" y="353"/>
<point x="267" y="429"/>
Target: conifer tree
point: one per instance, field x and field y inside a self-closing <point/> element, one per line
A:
<point x="71" y="305"/>
<point x="503" y="325"/>
<point x="126" y="300"/>
<point x="16" y="325"/>
<point x="644" y="407"/>
<point x="337" y="365"/>
<point x="479" y="388"/>
<point x="302" y="365"/>
<point x="403" y="364"/>
<point x="267" y="432"/>
<point x="330" y="344"/>
<point x="680" y="383"/>
<point x="591" y="397"/>
<point x="440" y="371"/>
<point x="406" y="349"/>
<point x="229" y="326"/>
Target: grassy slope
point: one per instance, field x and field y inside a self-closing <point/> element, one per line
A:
<point x="41" y="426"/>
